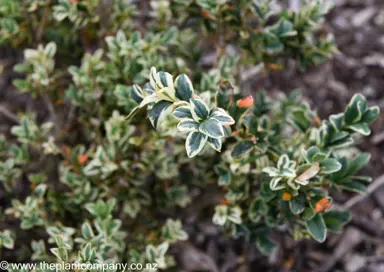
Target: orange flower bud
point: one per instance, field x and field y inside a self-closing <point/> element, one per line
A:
<point x="82" y="159"/>
<point x="205" y="14"/>
<point x="323" y="204"/>
<point x="224" y="201"/>
<point x="286" y="196"/>
<point x="59" y="102"/>
<point x="275" y="66"/>
<point x="316" y="121"/>
<point x="152" y="237"/>
<point x="245" y="102"/>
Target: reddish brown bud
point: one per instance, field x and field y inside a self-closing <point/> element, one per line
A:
<point x="323" y="204"/>
<point x="82" y="159"/>
<point x="286" y="196"/>
<point x="224" y="201"/>
<point x="245" y="102"/>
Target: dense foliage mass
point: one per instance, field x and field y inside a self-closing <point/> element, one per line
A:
<point x="146" y="111"/>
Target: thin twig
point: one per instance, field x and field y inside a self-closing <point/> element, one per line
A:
<point x="9" y="114"/>
<point x="71" y="115"/>
<point x="51" y="109"/>
<point x="40" y="30"/>
<point x="359" y="198"/>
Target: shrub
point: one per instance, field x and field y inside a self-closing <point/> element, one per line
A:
<point x="141" y="118"/>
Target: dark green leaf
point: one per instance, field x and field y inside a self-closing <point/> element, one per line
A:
<point x="357" y="163"/>
<point x="354" y="186"/>
<point x="317" y="228"/>
<point x="329" y="166"/>
<point x="335" y="220"/>
<point x="370" y="114"/>
<point x="242" y="148"/>
<point x="184" y="88"/>
<point x="361" y="128"/>
<point x="297" y="204"/>
<point x="265" y="244"/>
<point x="257" y="209"/>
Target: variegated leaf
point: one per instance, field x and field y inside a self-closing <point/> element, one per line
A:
<point x="370" y="114"/>
<point x="195" y="143"/>
<point x="274" y="184"/>
<point x="166" y="93"/>
<point x="184" y="88"/>
<point x="283" y="162"/>
<point x="159" y="112"/>
<point x="215" y="143"/>
<point x="199" y="109"/>
<point x="212" y="128"/>
<point x="361" y="128"/>
<point x="188" y="125"/>
<point x="166" y="79"/>
<point x="154" y="79"/>
<point x="223" y="117"/>
<point x="148" y="100"/>
<point x="355" y="109"/>
<point x="182" y="112"/>
<point x="329" y="166"/>
<point x="137" y="94"/>
<point x="337" y="121"/>
<point x="271" y="171"/>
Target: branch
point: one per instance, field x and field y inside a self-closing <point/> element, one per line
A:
<point x="51" y="110"/>
<point x="378" y="182"/>
<point x="9" y="114"/>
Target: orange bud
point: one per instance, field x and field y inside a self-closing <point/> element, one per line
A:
<point x="316" y="121"/>
<point x="275" y="66"/>
<point x="323" y="204"/>
<point x="59" y="102"/>
<point x="82" y="159"/>
<point x="32" y="185"/>
<point x="286" y="196"/>
<point x="224" y="201"/>
<point x="245" y="102"/>
<point x="152" y="237"/>
<point x="205" y="14"/>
